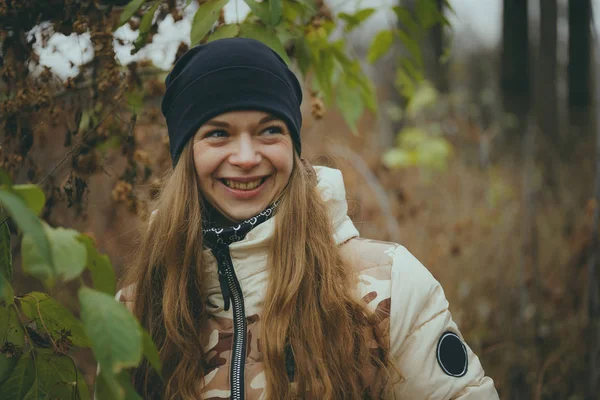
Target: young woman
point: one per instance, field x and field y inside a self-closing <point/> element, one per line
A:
<point x="252" y="279"/>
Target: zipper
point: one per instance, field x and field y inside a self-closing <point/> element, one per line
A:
<point x="232" y="294"/>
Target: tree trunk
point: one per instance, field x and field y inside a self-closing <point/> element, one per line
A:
<point x="593" y="301"/>
<point x="514" y="74"/>
<point x="433" y="51"/>
<point x="546" y="76"/>
<point x="579" y="67"/>
<point x="516" y="100"/>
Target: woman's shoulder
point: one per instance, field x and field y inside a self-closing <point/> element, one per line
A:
<point x="367" y="254"/>
<point x="389" y="269"/>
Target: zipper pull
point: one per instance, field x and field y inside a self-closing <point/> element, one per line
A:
<point x="224" y="289"/>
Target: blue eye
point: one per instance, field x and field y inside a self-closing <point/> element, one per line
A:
<point x="216" y="134"/>
<point x="273" y="130"/>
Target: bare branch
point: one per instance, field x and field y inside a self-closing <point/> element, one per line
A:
<point x="376" y="187"/>
<point x="78" y="145"/>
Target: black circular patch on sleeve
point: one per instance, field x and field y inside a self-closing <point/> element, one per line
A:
<point x="452" y="355"/>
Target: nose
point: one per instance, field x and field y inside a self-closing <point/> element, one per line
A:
<point x="246" y="154"/>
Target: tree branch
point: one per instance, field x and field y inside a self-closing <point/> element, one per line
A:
<point x="380" y="194"/>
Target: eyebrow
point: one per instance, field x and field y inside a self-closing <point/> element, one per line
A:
<point x="222" y="124"/>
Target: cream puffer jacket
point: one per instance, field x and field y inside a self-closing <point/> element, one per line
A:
<point x="424" y="343"/>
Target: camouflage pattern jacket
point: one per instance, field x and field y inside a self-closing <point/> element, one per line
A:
<point x="424" y="343"/>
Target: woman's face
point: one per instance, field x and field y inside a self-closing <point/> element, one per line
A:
<point x="243" y="160"/>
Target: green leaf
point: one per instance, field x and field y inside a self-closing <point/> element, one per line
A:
<point x="7" y="365"/>
<point x="286" y="34"/>
<point x="107" y="387"/>
<point x="33" y="196"/>
<point x="130" y="10"/>
<point x="291" y="12"/>
<point x="6" y="269"/>
<point x="350" y="104"/>
<point x="68" y="253"/>
<point x="434" y="153"/>
<point x="338" y="50"/>
<point x="7" y="293"/>
<point x="49" y="313"/>
<point x="145" y="26"/>
<point x="34" y="264"/>
<point x="28" y="223"/>
<point x="224" y="31"/>
<point x="397" y="158"/>
<point x="382" y="42"/>
<point x="412" y="45"/>
<point x="261" y="10"/>
<point x="353" y="20"/>
<point x="150" y="351"/>
<point x="413" y="71"/>
<point x="355" y="75"/>
<point x="363" y="14"/>
<point x="12" y="333"/>
<point x="424" y="97"/>
<point x="103" y="275"/>
<point x="407" y="20"/>
<point x="135" y="100"/>
<point x="427" y="13"/>
<point x="448" y="6"/>
<point x="11" y="330"/>
<point x="310" y="5"/>
<point x="34" y="392"/>
<point x="405" y="84"/>
<point x="86" y="120"/>
<point x="324" y="74"/>
<point x="267" y="36"/>
<point x="146" y="22"/>
<point x="113" y="142"/>
<point x="58" y="377"/>
<point x="115" y="387"/>
<point x="5" y="179"/>
<point x="206" y="15"/>
<point x="113" y="331"/>
<point x="302" y="55"/>
<point x="20" y="380"/>
<point x="275" y="9"/>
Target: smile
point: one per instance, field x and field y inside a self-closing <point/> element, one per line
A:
<point x="238" y="185"/>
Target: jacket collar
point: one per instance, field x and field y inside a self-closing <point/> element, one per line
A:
<point x="249" y="255"/>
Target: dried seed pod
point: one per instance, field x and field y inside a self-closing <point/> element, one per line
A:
<point x="141" y="157"/>
<point x="317" y="108"/>
<point x="121" y="191"/>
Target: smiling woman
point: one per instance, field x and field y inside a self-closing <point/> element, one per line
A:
<point x="243" y="160"/>
<point x="252" y="279"/>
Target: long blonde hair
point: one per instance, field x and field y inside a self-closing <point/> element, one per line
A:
<point x="310" y="308"/>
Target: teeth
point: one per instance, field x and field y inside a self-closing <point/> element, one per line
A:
<point x="242" y="185"/>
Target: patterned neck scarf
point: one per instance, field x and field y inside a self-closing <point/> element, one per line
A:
<point x="214" y="236"/>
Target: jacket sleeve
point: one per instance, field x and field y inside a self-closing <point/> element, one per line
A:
<point x="426" y="347"/>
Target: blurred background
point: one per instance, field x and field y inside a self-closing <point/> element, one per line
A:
<point x="482" y="163"/>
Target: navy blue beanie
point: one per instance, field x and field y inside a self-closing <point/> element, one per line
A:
<point x="228" y="75"/>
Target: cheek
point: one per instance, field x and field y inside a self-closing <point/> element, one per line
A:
<point x="283" y="159"/>
<point x="206" y="160"/>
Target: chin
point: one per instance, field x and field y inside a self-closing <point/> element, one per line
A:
<point x="242" y="216"/>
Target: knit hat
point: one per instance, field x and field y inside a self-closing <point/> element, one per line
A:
<point x="228" y="75"/>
